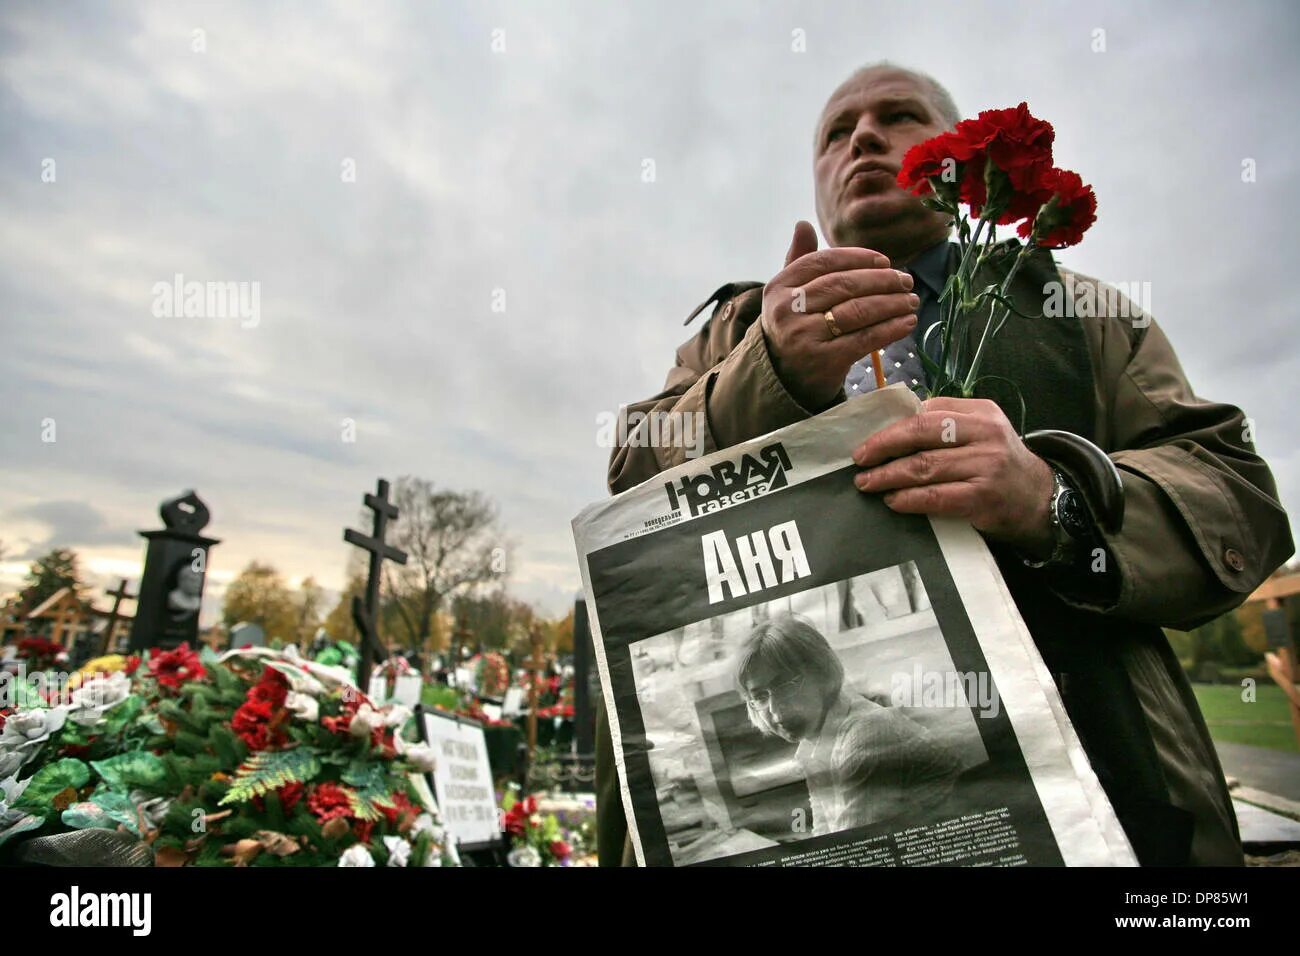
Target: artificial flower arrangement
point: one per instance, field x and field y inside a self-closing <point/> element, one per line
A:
<point x="1000" y="167"/>
<point x="256" y="757"/>
<point x="491" y="674"/>
<point x="542" y="837"/>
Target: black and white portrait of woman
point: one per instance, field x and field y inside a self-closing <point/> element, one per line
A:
<point x="184" y="591"/>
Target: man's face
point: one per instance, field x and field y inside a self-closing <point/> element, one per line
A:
<point x="790" y="705"/>
<point x="864" y="131"/>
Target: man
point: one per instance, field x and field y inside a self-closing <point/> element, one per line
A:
<point x="863" y="763"/>
<point x="1202" y="525"/>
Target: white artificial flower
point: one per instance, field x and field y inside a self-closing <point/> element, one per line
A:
<point x="425" y="823"/>
<point x="10" y="790"/>
<point x="153" y="809"/>
<point x="11" y="761"/>
<point x="422" y="757"/>
<point x="302" y="706"/>
<point x="397" y="715"/>
<point x="366" y="721"/>
<point x="30" y="727"/>
<point x="524" y="856"/>
<point x="97" y="695"/>
<point x="399" y="851"/>
<point x="356" y="855"/>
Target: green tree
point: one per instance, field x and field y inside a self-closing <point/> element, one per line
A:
<point x="452" y="546"/>
<point x="309" y="603"/>
<point x="338" y="623"/>
<point x="48" y="574"/>
<point x="260" y="596"/>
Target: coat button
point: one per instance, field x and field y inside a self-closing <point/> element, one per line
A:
<point x="1233" y="559"/>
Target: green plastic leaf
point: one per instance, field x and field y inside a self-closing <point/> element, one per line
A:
<point x="104" y="810"/>
<point x="139" y="768"/>
<point x="53" y="779"/>
<point x="117" y="719"/>
<point x="270" y="770"/>
<point x="370" y="783"/>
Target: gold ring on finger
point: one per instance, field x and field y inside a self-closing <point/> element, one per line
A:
<point x="835" y="330"/>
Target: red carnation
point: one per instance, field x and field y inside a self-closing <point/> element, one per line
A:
<point x="560" y="850"/>
<point x="361" y="830"/>
<point x="927" y="162"/>
<point x="328" y="801"/>
<point x="1070" y="208"/>
<point x="173" y="668"/>
<point x="132" y="664"/>
<point x="1018" y="143"/>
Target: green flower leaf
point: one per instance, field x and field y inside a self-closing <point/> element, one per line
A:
<point x="104" y="810"/>
<point x="53" y="779"/>
<point x="118" y="718"/>
<point x="138" y="768"/>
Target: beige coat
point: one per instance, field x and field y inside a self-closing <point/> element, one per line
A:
<point x="1203" y="527"/>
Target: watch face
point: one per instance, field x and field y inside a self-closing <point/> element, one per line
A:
<point x="1073" y="514"/>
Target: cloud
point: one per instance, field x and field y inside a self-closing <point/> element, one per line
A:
<point x="520" y="171"/>
<point x="68" y="524"/>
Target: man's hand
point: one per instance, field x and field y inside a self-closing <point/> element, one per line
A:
<point x="960" y="457"/>
<point x="872" y="304"/>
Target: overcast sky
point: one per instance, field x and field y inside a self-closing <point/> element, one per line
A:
<point x="480" y="169"/>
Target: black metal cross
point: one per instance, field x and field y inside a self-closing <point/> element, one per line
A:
<point x="120" y="595"/>
<point x="365" y="613"/>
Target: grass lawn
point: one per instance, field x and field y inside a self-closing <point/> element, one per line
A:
<point x="1266" y="722"/>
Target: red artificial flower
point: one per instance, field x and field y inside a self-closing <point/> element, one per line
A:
<point x="361" y="830"/>
<point x="339" y="725"/>
<point x="1069" y="209"/>
<point x="560" y="850"/>
<point x="132" y="664"/>
<point x="289" y="795"/>
<point x="254" y="722"/>
<point x="329" y="800"/>
<point x="401" y="806"/>
<point x="517" y="819"/>
<point x="173" y="668"/>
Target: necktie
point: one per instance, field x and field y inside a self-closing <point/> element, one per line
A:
<point x="899" y="358"/>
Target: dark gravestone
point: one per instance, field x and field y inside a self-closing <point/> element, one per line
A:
<point x="175" y="567"/>
<point x="245" y="634"/>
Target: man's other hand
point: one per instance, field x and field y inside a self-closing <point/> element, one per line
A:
<point x="872" y="306"/>
<point x="961" y="458"/>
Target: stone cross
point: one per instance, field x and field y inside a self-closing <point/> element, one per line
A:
<point x="365" y="613"/>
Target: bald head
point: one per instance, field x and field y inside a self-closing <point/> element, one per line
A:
<point x="869" y="123"/>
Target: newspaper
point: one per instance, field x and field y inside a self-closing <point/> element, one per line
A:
<point x="795" y="675"/>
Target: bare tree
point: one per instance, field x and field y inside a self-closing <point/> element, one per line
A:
<point x="453" y="544"/>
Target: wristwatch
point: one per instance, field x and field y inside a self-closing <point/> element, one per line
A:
<point x="1072" y="525"/>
